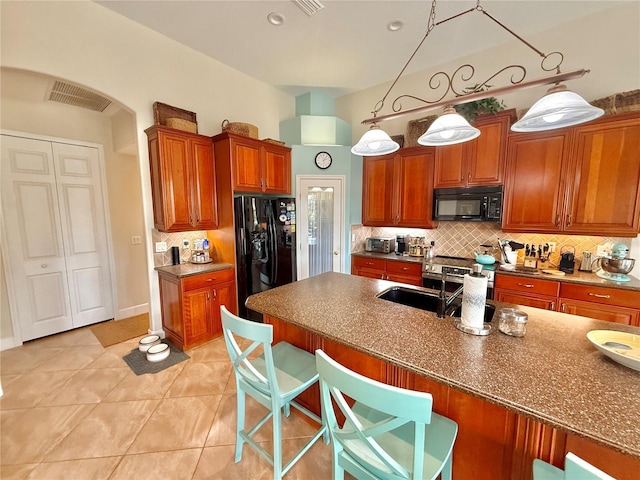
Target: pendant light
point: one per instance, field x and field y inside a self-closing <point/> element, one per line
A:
<point x="375" y="141"/>
<point x="448" y="129"/>
<point x="559" y="108"/>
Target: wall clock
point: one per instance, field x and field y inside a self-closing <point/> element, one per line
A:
<point x="323" y="160"/>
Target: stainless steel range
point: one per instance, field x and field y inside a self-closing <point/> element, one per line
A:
<point x="455" y="268"/>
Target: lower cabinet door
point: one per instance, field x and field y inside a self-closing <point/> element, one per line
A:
<point x="546" y="303"/>
<point x="408" y="279"/>
<point x="610" y="313"/>
<point x="197" y="310"/>
<point x="224" y="294"/>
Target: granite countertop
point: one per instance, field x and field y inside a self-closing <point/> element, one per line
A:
<point x="388" y="256"/>
<point x="188" y="269"/>
<point x="553" y="374"/>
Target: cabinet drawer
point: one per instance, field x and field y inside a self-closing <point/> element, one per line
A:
<point x="207" y="279"/>
<point x="608" y="296"/>
<point x="529" y="285"/>
<point x="374" y="263"/>
<point x="404" y="268"/>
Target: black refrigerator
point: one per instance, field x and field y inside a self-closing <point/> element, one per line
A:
<point x="265" y="246"/>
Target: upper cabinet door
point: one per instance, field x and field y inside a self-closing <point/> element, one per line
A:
<point x="247" y="174"/>
<point x="486" y="157"/>
<point x="177" y="197"/>
<point x="451" y="166"/>
<point x="277" y="170"/>
<point x="534" y="188"/>
<point x="605" y="178"/>
<point x="414" y="193"/>
<point x="377" y="191"/>
<point x="203" y="183"/>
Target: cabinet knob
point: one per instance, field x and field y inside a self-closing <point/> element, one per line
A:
<point x="336" y="252"/>
<point x="469" y="177"/>
<point x="599" y="295"/>
<point x="563" y="308"/>
<point x="569" y="220"/>
<point x="211" y="279"/>
<point x="44" y="265"/>
<point x="553" y="305"/>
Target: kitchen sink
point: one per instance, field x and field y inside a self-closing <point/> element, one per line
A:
<point x="411" y="298"/>
<point x="456" y="311"/>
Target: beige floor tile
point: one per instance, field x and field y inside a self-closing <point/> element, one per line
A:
<point x="215" y="351"/>
<point x="30" y="389"/>
<point x="87" y="469"/>
<point x="108" y="430"/>
<point x="27" y="435"/>
<point x="144" y="387"/>
<point x="72" y="358"/>
<point x="16" y="472"/>
<point x="201" y="379"/>
<point x="24" y="359"/>
<point x="87" y="386"/>
<point x="66" y="339"/>
<point x="112" y="356"/>
<point x="177" y="423"/>
<point x="176" y="465"/>
<point x="217" y="463"/>
<point x="223" y="430"/>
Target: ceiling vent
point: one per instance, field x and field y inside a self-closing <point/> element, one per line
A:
<point x="308" y="6"/>
<point x="78" y="97"/>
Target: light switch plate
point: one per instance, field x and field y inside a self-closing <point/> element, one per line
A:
<point x="136" y="240"/>
<point x="161" y="247"/>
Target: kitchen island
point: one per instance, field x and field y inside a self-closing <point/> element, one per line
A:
<point x="515" y="399"/>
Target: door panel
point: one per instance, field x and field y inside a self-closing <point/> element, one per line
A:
<point x="34" y="238"/>
<point x="84" y="232"/>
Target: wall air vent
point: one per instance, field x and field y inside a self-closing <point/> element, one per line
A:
<point x="78" y="97"/>
<point x="309" y="6"/>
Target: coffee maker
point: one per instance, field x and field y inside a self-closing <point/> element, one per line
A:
<point x="402" y="244"/>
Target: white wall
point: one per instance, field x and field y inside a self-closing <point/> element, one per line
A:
<point x="85" y="43"/>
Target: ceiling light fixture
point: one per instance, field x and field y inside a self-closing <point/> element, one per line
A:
<point x="559" y="108"/>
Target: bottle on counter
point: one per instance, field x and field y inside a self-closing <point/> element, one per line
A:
<point x="431" y="252"/>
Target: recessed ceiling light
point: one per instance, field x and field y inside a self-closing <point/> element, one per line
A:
<point x="395" y="25"/>
<point x="276" y="19"/>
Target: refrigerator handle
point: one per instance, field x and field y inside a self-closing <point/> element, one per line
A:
<point x="244" y="243"/>
<point x="273" y="244"/>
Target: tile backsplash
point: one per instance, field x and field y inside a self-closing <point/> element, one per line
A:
<point x="460" y="239"/>
<point x="175" y="240"/>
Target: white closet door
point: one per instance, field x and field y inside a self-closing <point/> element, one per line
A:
<point x="84" y="232"/>
<point x="34" y="237"/>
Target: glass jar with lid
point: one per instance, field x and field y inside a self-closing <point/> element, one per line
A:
<point x="512" y="322"/>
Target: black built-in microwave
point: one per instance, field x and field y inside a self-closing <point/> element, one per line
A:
<point x="473" y="204"/>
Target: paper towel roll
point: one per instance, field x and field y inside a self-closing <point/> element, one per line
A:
<point x="473" y="301"/>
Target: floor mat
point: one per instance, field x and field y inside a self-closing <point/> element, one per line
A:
<point x="116" y="331"/>
<point x="138" y="362"/>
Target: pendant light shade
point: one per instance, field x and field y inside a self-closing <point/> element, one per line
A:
<point x="448" y="129"/>
<point x="557" y="109"/>
<point x="375" y="141"/>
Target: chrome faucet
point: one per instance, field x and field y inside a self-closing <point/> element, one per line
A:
<point x="443" y="301"/>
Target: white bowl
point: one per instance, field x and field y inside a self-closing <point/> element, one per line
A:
<point x="149" y="341"/>
<point x="158" y="352"/>
<point x="629" y="358"/>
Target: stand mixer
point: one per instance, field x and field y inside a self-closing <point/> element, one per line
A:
<point x="616" y="267"/>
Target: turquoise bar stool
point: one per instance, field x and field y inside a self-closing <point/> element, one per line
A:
<point x="388" y="433"/>
<point x="274" y="379"/>
<point x="575" y="468"/>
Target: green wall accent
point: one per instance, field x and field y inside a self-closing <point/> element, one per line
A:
<point x="315" y="103"/>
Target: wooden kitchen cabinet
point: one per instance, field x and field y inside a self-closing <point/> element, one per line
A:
<point x="256" y="166"/>
<point x="382" y="269"/>
<point x="398" y="189"/>
<point x="183" y="182"/>
<point x="191" y="306"/>
<point x="604" y="303"/>
<point x="580" y="180"/>
<point x="478" y="162"/>
<point x="530" y="292"/>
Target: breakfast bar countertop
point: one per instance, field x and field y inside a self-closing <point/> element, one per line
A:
<point x="553" y="374"/>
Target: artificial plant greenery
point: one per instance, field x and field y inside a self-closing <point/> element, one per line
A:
<point x="471" y="110"/>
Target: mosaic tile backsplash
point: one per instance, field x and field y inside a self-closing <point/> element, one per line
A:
<point x="460" y="239"/>
<point x="175" y="240"/>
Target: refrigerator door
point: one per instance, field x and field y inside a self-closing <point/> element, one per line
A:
<point x="265" y="245"/>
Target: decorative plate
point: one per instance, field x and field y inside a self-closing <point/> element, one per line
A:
<point x="611" y="343"/>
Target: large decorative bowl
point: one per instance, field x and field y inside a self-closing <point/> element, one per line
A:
<point x="617" y="265"/>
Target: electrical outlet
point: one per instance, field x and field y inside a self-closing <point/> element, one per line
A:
<point x="136" y="240"/>
<point x="353" y="237"/>
<point x="552" y="246"/>
<point x="602" y="251"/>
<point x="185" y="244"/>
<point x="161" y="247"/>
